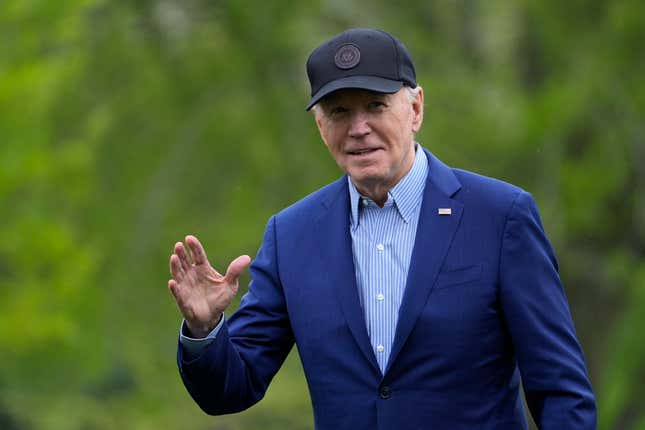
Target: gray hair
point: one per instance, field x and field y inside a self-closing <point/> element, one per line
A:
<point x="413" y="93"/>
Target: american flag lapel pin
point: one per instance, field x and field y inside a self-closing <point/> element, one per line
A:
<point x="445" y="211"/>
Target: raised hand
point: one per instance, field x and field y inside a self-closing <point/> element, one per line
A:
<point x="202" y="293"/>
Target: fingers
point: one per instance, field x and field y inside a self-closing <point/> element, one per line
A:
<point x="196" y="250"/>
<point x="236" y="268"/>
<point x="175" y="290"/>
<point x="176" y="269"/>
<point x="173" y="286"/>
<point x="180" y="251"/>
<point x="180" y="262"/>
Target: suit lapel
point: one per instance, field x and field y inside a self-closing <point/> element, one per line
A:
<point x="338" y="261"/>
<point x="435" y="233"/>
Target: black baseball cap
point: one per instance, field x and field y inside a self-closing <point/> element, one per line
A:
<point x="361" y="58"/>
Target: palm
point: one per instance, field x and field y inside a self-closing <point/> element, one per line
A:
<point x="202" y="293"/>
<point x="205" y="291"/>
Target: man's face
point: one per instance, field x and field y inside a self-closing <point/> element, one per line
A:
<point x="371" y="135"/>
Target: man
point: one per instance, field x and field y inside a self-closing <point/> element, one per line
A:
<point x="418" y="295"/>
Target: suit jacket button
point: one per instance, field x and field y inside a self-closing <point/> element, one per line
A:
<point x="385" y="392"/>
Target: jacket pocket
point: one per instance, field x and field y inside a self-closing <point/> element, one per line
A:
<point x="458" y="276"/>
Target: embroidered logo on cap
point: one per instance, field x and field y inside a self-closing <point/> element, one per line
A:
<point x="347" y="56"/>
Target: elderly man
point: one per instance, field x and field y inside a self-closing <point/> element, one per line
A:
<point x="419" y="295"/>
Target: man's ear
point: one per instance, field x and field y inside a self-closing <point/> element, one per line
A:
<point x="319" y="116"/>
<point x="417" y="111"/>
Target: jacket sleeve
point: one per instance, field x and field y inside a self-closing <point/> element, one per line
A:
<point x="550" y="359"/>
<point x="233" y="372"/>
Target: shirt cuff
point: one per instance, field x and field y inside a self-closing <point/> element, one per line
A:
<point x="193" y="347"/>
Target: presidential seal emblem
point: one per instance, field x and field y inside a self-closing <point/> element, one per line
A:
<point x="347" y="56"/>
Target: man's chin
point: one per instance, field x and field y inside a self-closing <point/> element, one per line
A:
<point x="366" y="177"/>
<point x="363" y="174"/>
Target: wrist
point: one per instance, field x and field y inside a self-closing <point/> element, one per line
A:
<point x="199" y="330"/>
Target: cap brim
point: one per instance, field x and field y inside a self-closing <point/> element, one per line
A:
<point x="372" y="83"/>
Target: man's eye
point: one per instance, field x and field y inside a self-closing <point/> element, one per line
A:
<point x="376" y="104"/>
<point x="337" y="110"/>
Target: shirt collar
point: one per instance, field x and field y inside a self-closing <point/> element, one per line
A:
<point x="406" y="194"/>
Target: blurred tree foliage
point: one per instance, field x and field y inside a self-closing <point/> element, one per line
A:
<point x="126" y="124"/>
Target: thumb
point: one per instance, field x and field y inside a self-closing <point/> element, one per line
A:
<point x="236" y="268"/>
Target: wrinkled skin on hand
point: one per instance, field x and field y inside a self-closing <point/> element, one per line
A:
<point x="201" y="292"/>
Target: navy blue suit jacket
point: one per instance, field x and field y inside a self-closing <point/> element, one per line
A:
<point x="483" y="308"/>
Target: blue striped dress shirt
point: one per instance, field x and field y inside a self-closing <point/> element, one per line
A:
<point x="382" y="242"/>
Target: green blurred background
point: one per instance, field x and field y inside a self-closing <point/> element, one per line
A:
<point x="127" y="124"/>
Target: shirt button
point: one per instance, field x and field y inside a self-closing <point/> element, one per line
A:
<point x="365" y="202"/>
<point x="380" y="348"/>
<point x="380" y="247"/>
<point x="380" y="297"/>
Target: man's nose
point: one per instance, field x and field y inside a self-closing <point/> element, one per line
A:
<point x="359" y="125"/>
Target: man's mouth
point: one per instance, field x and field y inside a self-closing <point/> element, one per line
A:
<point x="362" y="151"/>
